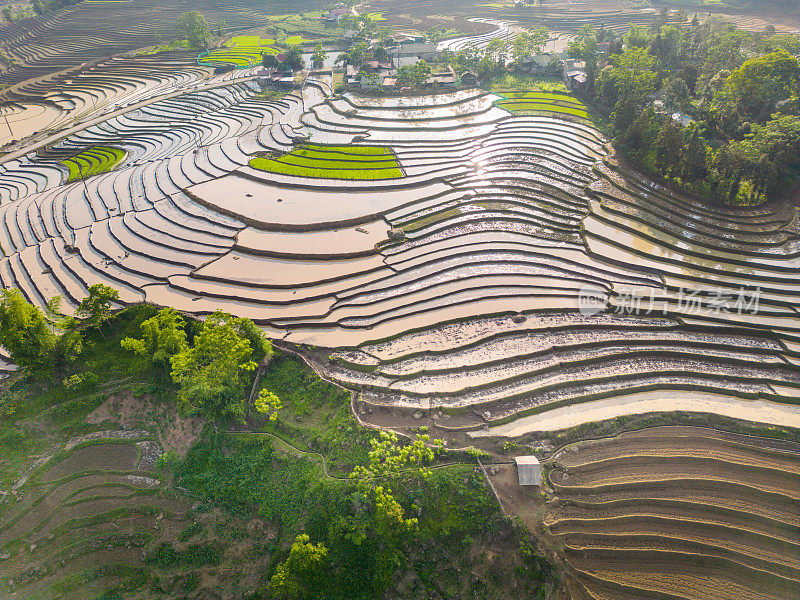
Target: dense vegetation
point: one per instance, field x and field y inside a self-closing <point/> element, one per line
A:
<point x="356" y="512"/>
<point x="37" y="7"/>
<point x="706" y="106"/>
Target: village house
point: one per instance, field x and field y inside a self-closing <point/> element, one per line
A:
<point x="334" y="16"/>
<point x="405" y="44"/>
<point x="351" y="75"/>
<point x="540" y="64"/>
<point x="443" y="78"/>
<point x="374" y="73"/>
<point x="575" y="77"/>
<point x="682" y="119"/>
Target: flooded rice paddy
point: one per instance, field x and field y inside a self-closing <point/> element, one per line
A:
<point x="460" y="284"/>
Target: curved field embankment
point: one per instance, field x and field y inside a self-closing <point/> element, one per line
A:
<point x="96" y="30"/>
<point x="95" y="519"/>
<point x="93" y="161"/>
<point x="460" y="285"/>
<point x="677" y="513"/>
<point x="333" y="162"/>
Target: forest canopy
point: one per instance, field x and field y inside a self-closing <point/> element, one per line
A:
<point x="706" y="106"/>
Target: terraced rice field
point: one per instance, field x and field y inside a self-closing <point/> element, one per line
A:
<point x="502" y="224"/>
<point x="44" y="106"/>
<point x="91" y="31"/>
<point x="436" y="252"/>
<point x="94" y="161"/>
<point x="524" y="103"/>
<point x="334" y="162"/>
<point x="678" y="513"/>
<point x="240" y="51"/>
<point x="90" y="519"/>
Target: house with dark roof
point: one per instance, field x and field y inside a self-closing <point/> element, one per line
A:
<point x="442" y="78"/>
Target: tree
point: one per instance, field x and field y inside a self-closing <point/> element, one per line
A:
<point x="319" y="55"/>
<point x="294" y="57"/>
<point x="270" y="61"/>
<point x="219" y="26"/>
<point x="380" y="53"/>
<point x="193" y="27"/>
<point x="302" y="576"/>
<point x="528" y="43"/>
<point x="355" y="56"/>
<point x="668" y="147"/>
<point x="638" y="36"/>
<point x="584" y="46"/>
<point x="766" y="158"/>
<point x="388" y="460"/>
<point x="413" y="75"/>
<point x="389" y="521"/>
<point x="69" y="343"/>
<point x="633" y="73"/>
<point x="268" y="404"/>
<point x="640" y="136"/>
<point x="24" y="330"/>
<point x="694" y="160"/>
<point x="96" y="307"/>
<point x="213" y="373"/>
<point x="163" y="337"/>
<point x="675" y="94"/>
<point x="761" y="81"/>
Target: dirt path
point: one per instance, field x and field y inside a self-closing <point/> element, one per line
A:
<point x="296" y="451"/>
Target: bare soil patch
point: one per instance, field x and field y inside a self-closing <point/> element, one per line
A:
<point x="679" y="507"/>
<point x="127" y="409"/>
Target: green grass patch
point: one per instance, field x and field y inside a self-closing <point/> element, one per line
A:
<point x="166" y="47"/>
<point x="528" y="83"/>
<point x="293" y="40"/>
<point x="249" y="41"/>
<point x="93" y="161"/>
<point x="334" y="162"/>
<point x="375" y="16"/>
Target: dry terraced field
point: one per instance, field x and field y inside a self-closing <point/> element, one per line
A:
<point x="96" y="521"/>
<point x="96" y="30"/>
<point x="678" y="513"/>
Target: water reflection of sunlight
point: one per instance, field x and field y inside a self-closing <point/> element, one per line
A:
<point x="479" y="163"/>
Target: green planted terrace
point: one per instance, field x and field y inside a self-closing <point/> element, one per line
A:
<point x="334" y="162"/>
<point x="523" y="103"/>
<point x="94" y="161"/>
<point x="241" y="51"/>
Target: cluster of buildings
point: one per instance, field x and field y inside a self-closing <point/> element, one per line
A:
<point x="382" y="75"/>
<point x="572" y="71"/>
<point x="401" y="49"/>
<point x="407" y="48"/>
